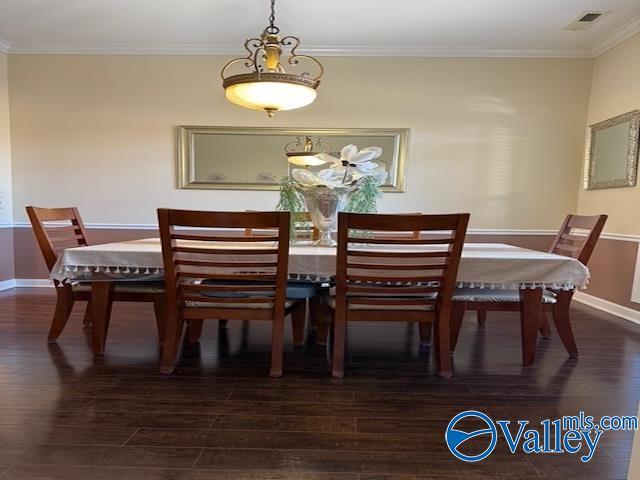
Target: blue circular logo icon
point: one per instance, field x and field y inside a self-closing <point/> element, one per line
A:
<point x="455" y="438"/>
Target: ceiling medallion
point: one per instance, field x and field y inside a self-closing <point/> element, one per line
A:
<point x="268" y="86"/>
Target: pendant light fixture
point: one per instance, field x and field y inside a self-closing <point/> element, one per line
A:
<point x="268" y="86"/>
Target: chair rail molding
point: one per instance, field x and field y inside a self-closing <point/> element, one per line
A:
<point x="472" y="231"/>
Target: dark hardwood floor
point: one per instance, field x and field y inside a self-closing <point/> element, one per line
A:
<point x="66" y="415"/>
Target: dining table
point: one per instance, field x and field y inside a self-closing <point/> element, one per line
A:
<point x="482" y="265"/>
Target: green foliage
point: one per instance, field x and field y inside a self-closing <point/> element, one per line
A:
<point x="291" y="201"/>
<point x="364" y="199"/>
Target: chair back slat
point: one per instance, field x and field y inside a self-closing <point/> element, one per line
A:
<point x="56" y="229"/>
<point x="226" y="238"/>
<point x="578" y="236"/>
<point x="207" y="267"/>
<point x="379" y="268"/>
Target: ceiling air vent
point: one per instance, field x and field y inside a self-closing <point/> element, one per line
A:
<point x="590" y="17"/>
<point x="585" y="20"/>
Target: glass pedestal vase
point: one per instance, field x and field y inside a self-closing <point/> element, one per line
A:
<point x="323" y="204"/>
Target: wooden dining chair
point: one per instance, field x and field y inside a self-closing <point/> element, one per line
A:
<point x="398" y="278"/>
<point x="577" y="239"/>
<point x="59" y="228"/>
<point x="299" y="289"/>
<point x="208" y="276"/>
<point x="425" y="329"/>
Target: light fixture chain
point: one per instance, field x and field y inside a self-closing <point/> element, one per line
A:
<point x="272" y="29"/>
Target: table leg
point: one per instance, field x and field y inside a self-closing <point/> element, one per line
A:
<point x="530" y="315"/>
<point x="101" y="302"/>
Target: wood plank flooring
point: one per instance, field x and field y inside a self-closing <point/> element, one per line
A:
<point x="65" y="415"/>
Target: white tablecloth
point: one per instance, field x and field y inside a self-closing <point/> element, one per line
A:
<point x="486" y="265"/>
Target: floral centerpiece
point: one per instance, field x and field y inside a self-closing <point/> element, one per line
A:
<point x="351" y="183"/>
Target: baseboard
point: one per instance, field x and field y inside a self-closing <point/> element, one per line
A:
<point x="7" y="284"/>
<point x="32" y="282"/>
<point x="608" y="307"/>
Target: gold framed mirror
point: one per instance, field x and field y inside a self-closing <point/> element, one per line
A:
<point x="612" y="152"/>
<point x="254" y="158"/>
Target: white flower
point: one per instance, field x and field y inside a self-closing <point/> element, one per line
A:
<point x="352" y="157"/>
<point x="346" y="170"/>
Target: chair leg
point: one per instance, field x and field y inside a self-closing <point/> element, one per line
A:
<point x="160" y="309"/>
<point x="64" y="306"/>
<point x="482" y="317"/>
<point x="458" y="310"/>
<point x="442" y="347"/>
<point x="425" y="333"/>
<point x="298" y="318"/>
<point x="277" y="345"/>
<point x="86" y="320"/>
<point x="194" y="330"/>
<point x="171" y="345"/>
<point x="314" y="312"/>
<point x="320" y="318"/>
<point x="562" y="321"/>
<point x="339" y="334"/>
<point x="545" y="328"/>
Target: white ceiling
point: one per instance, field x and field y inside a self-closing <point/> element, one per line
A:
<point x="341" y="27"/>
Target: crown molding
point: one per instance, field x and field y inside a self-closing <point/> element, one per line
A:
<point x="5" y="46"/>
<point x="128" y="49"/>
<point x="445" y="52"/>
<point x="616" y="37"/>
<point x="318" y="50"/>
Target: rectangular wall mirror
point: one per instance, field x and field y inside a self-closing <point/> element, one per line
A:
<point x="612" y="152"/>
<point x="254" y="158"/>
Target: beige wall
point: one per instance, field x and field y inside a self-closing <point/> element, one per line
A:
<point x="6" y="235"/>
<point x="5" y="144"/>
<point x="501" y="138"/>
<point x="615" y="90"/>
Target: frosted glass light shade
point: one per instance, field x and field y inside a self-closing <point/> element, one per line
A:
<point x="305" y="160"/>
<point x="270" y="96"/>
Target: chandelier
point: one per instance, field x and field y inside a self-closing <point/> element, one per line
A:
<point x="268" y="86"/>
